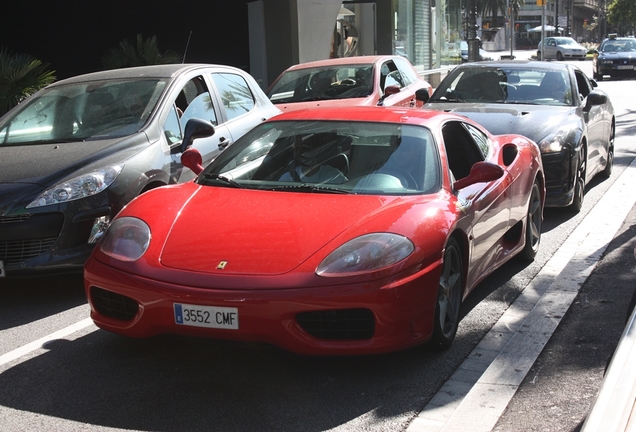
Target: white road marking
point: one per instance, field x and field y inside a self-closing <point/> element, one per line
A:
<point x="481" y="388"/>
<point x="37" y="344"/>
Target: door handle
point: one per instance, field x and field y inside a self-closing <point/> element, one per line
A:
<point x="224" y="143"/>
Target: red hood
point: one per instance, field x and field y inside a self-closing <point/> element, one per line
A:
<point x="258" y="232"/>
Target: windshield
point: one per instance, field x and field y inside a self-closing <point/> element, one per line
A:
<point x="78" y="112"/>
<point x="505" y="85"/>
<point x="619" y="45"/>
<point x="566" y="41"/>
<point x="330" y="156"/>
<point x="342" y="82"/>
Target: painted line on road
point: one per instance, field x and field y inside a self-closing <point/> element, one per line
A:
<point x="32" y="346"/>
<point x="476" y="395"/>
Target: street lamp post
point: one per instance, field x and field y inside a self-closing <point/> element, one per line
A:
<point x="473" y="42"/>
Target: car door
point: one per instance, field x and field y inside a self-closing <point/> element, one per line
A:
<point x="411" y="80"/>
<point x="598" y="123"/>
<point x="238" y="104"/>
<point x="190" y="99"/>
<point x="488" y="205"/>
<point x="390" y="75"/>
<point x="550" y="49"/>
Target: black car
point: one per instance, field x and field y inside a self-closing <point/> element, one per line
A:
<point x="554" y="104"/>
<point x="615" y="57"/>
<point x="75" y="153"/>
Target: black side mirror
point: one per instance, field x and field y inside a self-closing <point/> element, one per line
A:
<point x="595" y="98"/>
<point x="196" y="128"/>
<point x="422" y="95"/>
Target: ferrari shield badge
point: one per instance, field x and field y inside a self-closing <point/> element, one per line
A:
<point x="221" y="265"/>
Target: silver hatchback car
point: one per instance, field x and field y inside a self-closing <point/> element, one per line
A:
<point x="73" y="154"/>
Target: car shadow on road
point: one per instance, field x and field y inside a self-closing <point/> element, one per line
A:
<point x="177" y="383"/>
<point x="24" y="300"/>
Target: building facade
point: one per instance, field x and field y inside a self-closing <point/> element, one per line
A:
<point x="287" y="32"/>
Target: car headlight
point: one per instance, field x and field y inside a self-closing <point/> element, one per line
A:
<point x="365" y="254"/>
<point x="126" y="239"/>
<point x="552" y="145"/>
<point x="79" y="187"/>
<point x="556" y="141"/>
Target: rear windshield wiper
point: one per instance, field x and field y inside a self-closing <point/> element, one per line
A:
<point x="221" y="179"/>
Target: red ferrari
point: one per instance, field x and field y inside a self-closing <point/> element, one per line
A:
<point x="324" y="231"/>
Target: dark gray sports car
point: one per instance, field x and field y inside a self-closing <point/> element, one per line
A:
<point x="72" y="155"/>
<point x="554" y="104"/>
<point x="615" y="57"/>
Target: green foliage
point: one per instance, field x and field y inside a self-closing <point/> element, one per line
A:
<point x="21" y="75"/>
<point x="621" y="14"/>
<point x="140" y="53"/>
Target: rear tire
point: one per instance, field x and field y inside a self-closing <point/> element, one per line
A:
<point x="534" y="220"/>
<point x="449" y="297"/>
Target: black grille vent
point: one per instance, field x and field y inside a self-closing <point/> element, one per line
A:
<point x="343" y="324"/>
<point x="114" y="305"/>
<point x="19" y="251"/>
<point x="13" y="219"/>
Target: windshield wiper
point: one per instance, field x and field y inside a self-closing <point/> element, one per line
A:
<point x="226" y="181"/>
<point x="308" y="187"/>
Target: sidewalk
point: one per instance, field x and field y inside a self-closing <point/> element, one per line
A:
<point x="541" y="366"/>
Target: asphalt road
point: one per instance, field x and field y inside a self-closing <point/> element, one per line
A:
<point x="58" y="372"/>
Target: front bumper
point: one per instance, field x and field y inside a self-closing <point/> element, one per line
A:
<point x="618" y="71"/>
<point x="386" y="315"/>
<point x="575" y="56"/>
<point x="48" y="242"/>
<point x="560" y="172"/>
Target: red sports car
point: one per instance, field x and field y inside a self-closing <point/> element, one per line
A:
<point x="324" y="231"/>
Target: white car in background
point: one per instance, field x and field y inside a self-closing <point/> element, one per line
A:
<point x="561" y="48"/>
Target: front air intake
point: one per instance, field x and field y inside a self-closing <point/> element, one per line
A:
<point x="341" y="324"/>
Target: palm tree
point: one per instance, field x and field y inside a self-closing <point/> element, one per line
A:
<point x="141" y="53"/>
<point x="20" y="76"/>
<point x="491" y="7"/>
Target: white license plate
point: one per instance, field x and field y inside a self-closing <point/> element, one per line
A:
<point x="206" y="316"/>
<point x="3" y="273"/>
<point x="625" y="67"/>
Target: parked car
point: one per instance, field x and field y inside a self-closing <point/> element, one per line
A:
<point x="554" y="104"/>
<point x="561" y="48"/>
<point x="365" y="80"/>
<point x="351" y="231"/>
<point x="75" y="153"/>
<point x="615" y="57"/>
<point x="483" y="54"/>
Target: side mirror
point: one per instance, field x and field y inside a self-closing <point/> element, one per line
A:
<point x="595" y="98"/>
<point x="196" y="128"/>
<point x="422" y="95"/>
<point x="388" y="91"/>
<point x="480" y="172"/>
<point x="191" y="158"/>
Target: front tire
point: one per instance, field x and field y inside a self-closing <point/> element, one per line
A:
<point x="559" y="56"/>
<point x="609" y="166"/>
<point x="579" y="186"/>
<point x="449" y="297"/>
<point x="534" y="220"/>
